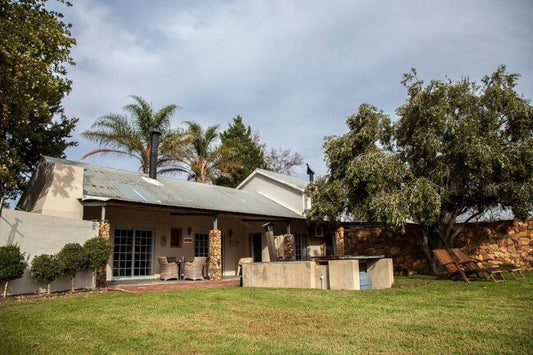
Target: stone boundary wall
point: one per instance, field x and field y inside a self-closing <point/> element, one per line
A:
<point x="507" y="242"/>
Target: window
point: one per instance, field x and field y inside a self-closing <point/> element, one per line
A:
<point x="175" y="238"/>
<point x="300" y="246"/>
<point x="201" y="244"/>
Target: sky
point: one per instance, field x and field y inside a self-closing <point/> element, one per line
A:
<point x="293" y="69"/>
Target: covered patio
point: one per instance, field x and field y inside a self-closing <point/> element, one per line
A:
<point x="140" y="234"/>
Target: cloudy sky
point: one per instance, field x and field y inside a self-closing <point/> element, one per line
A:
<point x="293" y="69"/>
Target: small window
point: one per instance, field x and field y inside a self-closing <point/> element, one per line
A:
<point x="175" y="238"/>
<point x="201" y="244"/>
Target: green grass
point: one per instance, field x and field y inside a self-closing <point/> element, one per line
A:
<point x="422" y="315"/>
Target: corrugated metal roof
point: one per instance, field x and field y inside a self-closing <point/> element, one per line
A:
<point x="114" y="184"/>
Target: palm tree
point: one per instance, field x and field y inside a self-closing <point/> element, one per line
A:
<point x="123" y="135"/>
<point x="195" y="151"/>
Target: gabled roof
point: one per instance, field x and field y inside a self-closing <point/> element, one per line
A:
<point x="108" y="184"/>
<point x="291" y="181"/>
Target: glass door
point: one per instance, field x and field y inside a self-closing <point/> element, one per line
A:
<point x="143" y="253"/>
<point x="132" y="253"/>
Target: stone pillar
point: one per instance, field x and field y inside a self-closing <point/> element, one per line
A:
<point x="339" y="241"/>
<point x="101" y="274"/>
<point x="288" y="247"/>
<point x="103" y="230"/>
<point x="215" y="255"/>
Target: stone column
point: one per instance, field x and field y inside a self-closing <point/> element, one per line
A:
<point x="339" y="241"/>
<point x="288" y="247"/>
<point x="103" y="230"/>
<point x="101" y="274"/>
<point x="215" y="255"/>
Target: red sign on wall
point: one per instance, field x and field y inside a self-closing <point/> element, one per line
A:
<point x="187" y="240"/>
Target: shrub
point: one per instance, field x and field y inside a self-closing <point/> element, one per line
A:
<point x="12" y="264"/>
<point x="72" y="259"/>
<point x="46" y="268"/>
<point x="97" y="251"/>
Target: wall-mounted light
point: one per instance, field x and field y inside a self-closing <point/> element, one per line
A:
<point x="189" y="231"/>
<point x="230" y="233"/>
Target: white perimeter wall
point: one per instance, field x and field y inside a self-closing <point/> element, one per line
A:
<point x="37" y="234"/>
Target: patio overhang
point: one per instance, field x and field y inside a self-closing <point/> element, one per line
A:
<point x="186" y="211"/>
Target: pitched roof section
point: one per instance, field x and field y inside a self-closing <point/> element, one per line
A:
<point x="101" y="183"/>
<point x="291" y="181"/>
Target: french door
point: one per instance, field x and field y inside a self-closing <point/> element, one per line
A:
<point x="133" y="253"/>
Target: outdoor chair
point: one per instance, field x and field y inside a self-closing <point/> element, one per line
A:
<point x="195" y="270"/>
<point x="494" y="274"/>
<point x="168" y="270"/>
<point x="240" y="262"/>
<point x="452" y="268"/>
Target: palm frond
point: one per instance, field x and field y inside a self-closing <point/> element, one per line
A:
<point x="162" y="118"/>
<point x="106" y="151"/>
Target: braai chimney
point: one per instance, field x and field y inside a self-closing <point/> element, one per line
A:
<point x="311" y="173"/>
<point x="154" y="147"/>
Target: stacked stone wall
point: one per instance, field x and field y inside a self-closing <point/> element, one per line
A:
<point x="494" y="243"/>
<point x="101" y="274"/>
<point x="215" y="255"/>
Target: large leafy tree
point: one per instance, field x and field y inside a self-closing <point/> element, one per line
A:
<point x="239" y="142"/>
<point x="129" y="134"/>
<point x="35" y="48"/>
<point x="198" y="153"/>
<point x="458" y="149"/>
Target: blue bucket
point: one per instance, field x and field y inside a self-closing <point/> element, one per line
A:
<point x="365" y="281"/>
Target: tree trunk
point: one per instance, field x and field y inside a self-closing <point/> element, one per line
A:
<point x="48" y="288"/>
<point x="427" y="250"/>
<point x="2" y="197"/>
<point x="72" y="283"/>
<point x="432" y="240"/>
<point x="5" y="289"/>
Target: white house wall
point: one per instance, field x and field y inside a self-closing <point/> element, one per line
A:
<point x="276" y="191"/>
<point x="55" y="190"/>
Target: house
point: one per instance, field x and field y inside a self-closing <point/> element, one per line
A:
<point x="146" y="216"/>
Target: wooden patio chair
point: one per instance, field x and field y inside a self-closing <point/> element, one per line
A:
<point x="240" y="262"/>
<point x="452" y="268"/>
<point x="494" y="274"/>
<point x="195" y="270"/>
<point x="168" y="270"/>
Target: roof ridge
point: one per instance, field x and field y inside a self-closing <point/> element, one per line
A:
<point x="75" y="162"/>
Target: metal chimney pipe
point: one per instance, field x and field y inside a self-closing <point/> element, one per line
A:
<point x="154" y="147"/>
<point x="311" y="173"/>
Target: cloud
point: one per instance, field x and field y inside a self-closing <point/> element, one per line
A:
<point x="294" y="70"/>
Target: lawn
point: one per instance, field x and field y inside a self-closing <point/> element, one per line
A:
<point x="421" y="315"/>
